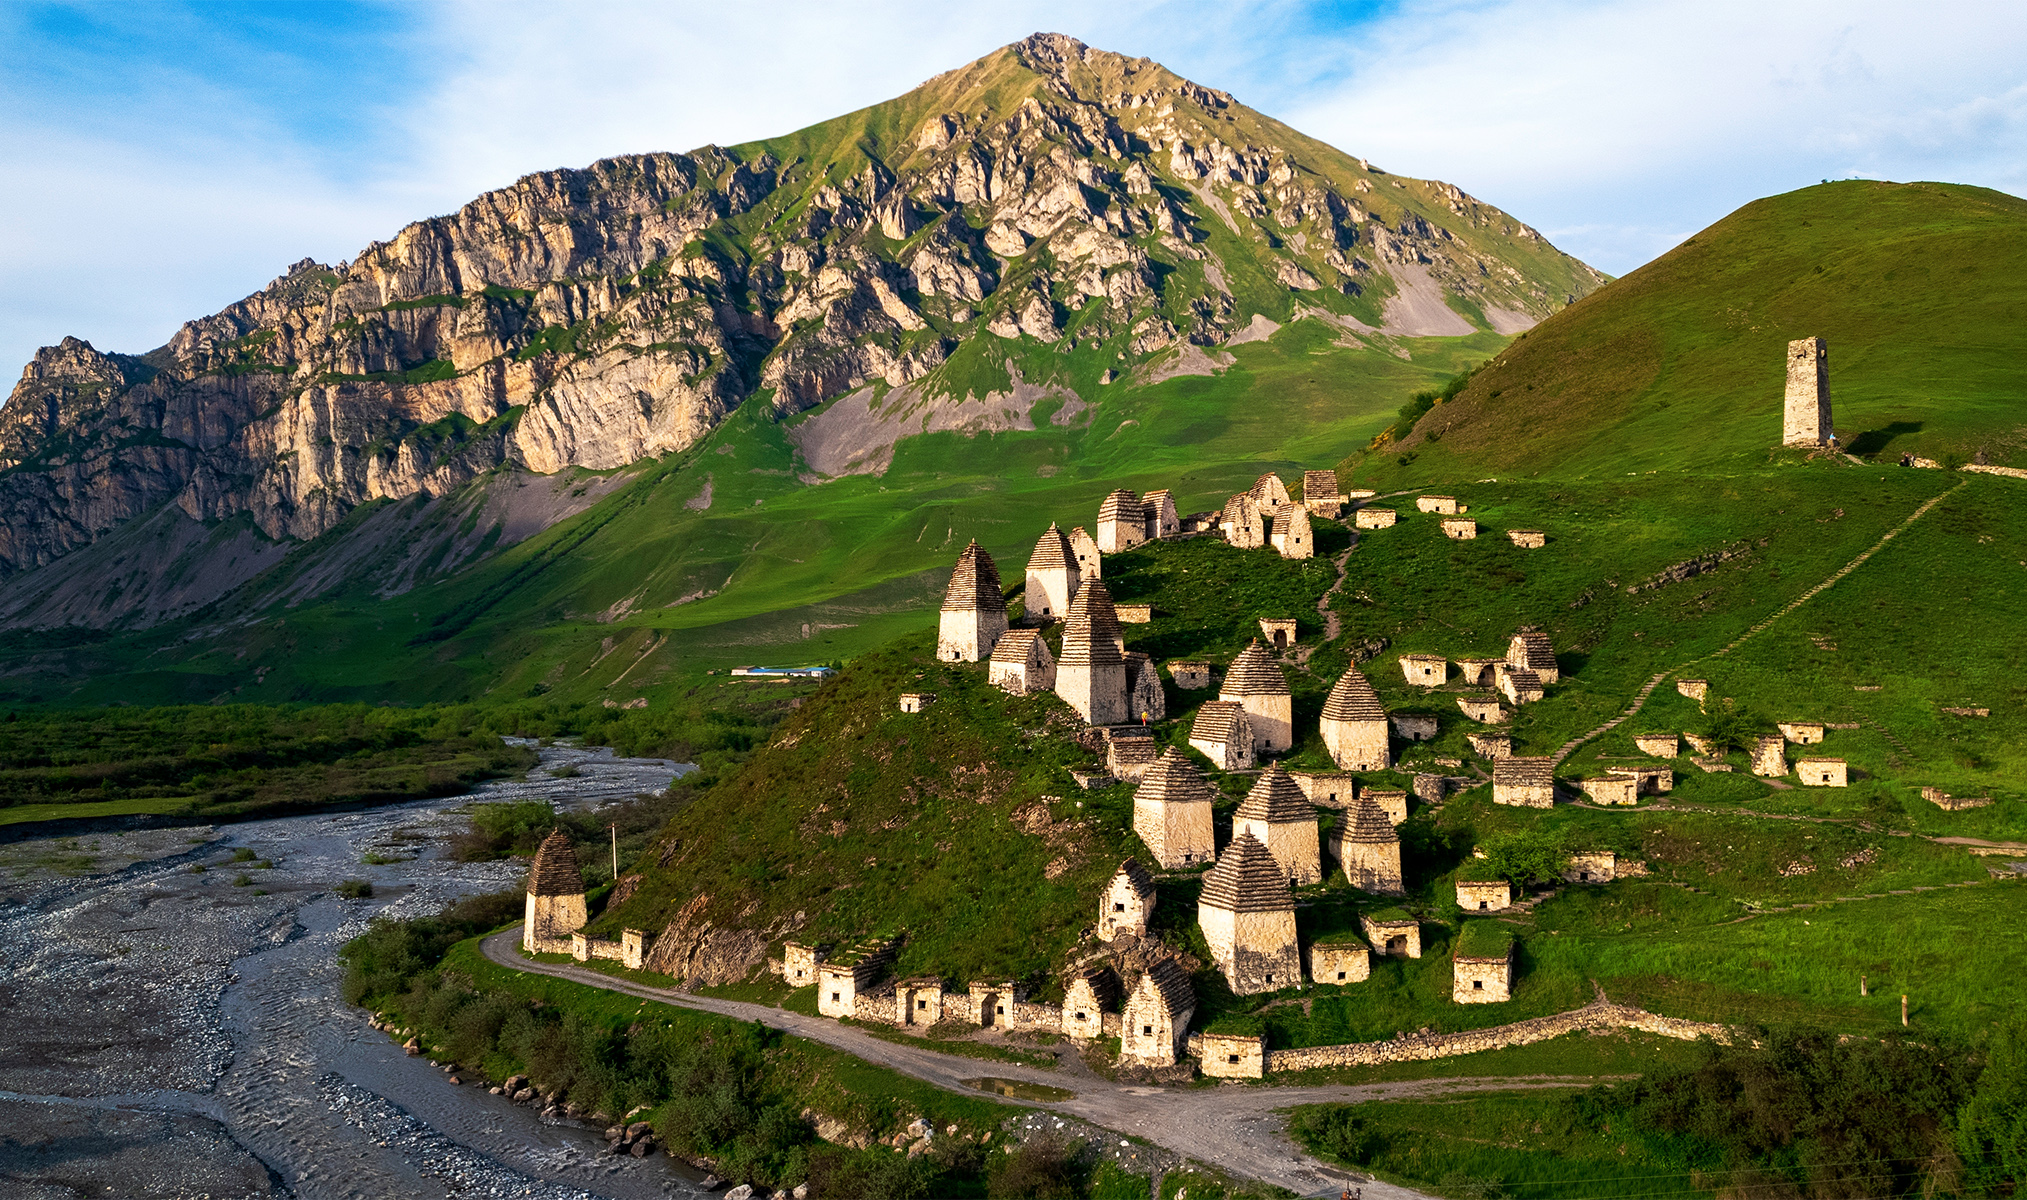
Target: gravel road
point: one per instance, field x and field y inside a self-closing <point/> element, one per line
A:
<point x="1237" y="1127"/>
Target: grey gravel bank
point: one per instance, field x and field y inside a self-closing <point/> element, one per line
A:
<point x="172" y="1034"/>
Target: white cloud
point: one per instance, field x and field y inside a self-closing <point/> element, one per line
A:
<point x="1615" y="128"/>
<point x="1664" y="116"/>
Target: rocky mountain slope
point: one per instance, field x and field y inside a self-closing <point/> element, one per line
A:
<point x="1043" y="220"/>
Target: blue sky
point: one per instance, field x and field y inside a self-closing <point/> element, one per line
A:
<point x="164" y="159"/>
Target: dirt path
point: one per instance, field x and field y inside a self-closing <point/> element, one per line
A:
<point x="1331" y="625"/>
<point x="1238" y="1128"/>
<point x="1640" y="701"/>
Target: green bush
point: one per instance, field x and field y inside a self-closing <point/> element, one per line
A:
<point x="355" y="889"/>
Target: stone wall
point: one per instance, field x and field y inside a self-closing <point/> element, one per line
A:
<point x="1230" y="1056"/>
<point x="1421" y="1048"/>
<point x="1273" y="720"/>
<point x="1339" y="963"/>
<point x="584" y="949"/>
<point x="1375" y="518"/>
<point x="1481" y="980"/>
<point x="548" y="922"/>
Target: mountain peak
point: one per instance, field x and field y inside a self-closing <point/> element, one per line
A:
<point x="1043" y="217"/>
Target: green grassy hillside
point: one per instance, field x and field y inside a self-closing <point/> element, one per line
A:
<point x="774" y="569"/>
<point x="1763" y="900"/>
<point x="1680" y="364"/>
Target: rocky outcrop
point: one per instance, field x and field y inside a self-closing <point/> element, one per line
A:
<point x="1048" y="193"/>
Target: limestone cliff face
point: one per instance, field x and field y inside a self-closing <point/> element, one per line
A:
<point x="1047" y="193"/>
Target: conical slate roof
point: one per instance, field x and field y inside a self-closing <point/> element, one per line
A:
<point x="1170" y="985"/>
<point x="1091" y="634"/>
<point x="1353" y="699"/>
<point x="1093" y="605"/>
<point x="1292" y="517"/>
<point x="1276" y="799"/>
<point x="1252" y="673"/>
<point x="1173" y="779"/>
<point x="1534" y="647"/>
<point x="1137" y="876"/>
<point x="1217" y="721"/>
<point x="1368" y="825"/>
<point x="1121" y="505"/>
<point x="555" y="871"/>
<point x="974" y="584"/>
<point x="1098" y="599"/>
<point x="1268" y="490"/>
<point x="1053" y="552"/>
<point x="1247" y="879"/>
<point x="1015" y="645"/>
<point x="1239" y="509"/>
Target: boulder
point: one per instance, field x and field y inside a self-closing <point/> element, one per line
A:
<point x="743" y="1192"/>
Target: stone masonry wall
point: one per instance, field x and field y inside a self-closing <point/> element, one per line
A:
<point x="1520" y="1033"/>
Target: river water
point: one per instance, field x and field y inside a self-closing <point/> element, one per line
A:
<point x="171" y="1032"/>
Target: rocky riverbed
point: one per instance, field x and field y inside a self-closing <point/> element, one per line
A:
<point x="174" y="1026"/>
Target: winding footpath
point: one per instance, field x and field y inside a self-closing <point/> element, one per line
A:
<point x="1640" y="701"/>
<point x="1236" y="1127"/>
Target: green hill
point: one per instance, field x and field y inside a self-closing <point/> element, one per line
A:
<point x="1916" y="287"/>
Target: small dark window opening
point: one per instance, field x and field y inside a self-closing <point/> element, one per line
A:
<point x="1147" y="1031"/>
<point x="1231" y="1058"/>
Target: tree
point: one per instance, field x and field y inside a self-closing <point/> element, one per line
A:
<point x="1527" y="858"/>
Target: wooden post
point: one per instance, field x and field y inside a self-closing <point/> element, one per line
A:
<point x="1903" y="1008"/>
<point x="615" y="850"/>
<point x="1862" y="989"/>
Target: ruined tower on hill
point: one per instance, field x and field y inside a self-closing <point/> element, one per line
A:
<point x="1806" y="419"/>
<point x="556" y="907"/>
<point x="974" y="611"/>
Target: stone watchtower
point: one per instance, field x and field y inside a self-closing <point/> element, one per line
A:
<point x="556" y="907"/>
<point x="1354" y="725"/>
<point x="1122" y="522"/>
<point x="1052" y="576"/>
<point x="1277" y="813"/>
<point x="1805" y="421"/>
<point x="1254" y="681"/>
<point x="1091" y="674"/>
<point x="974" y="611"/>
<point x="1370" y="850"/>
<point x="1172" y="812"/>
<point x="1247" y="915"/>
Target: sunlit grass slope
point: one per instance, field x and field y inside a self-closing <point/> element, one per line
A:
<point x="1917" y="288"/>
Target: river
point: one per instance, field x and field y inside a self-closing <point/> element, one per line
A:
<point x="175" y="1032"/>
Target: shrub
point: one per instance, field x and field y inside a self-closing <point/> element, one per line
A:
<point x="1042" y="1169"/>
<point x="355" y="889"/>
